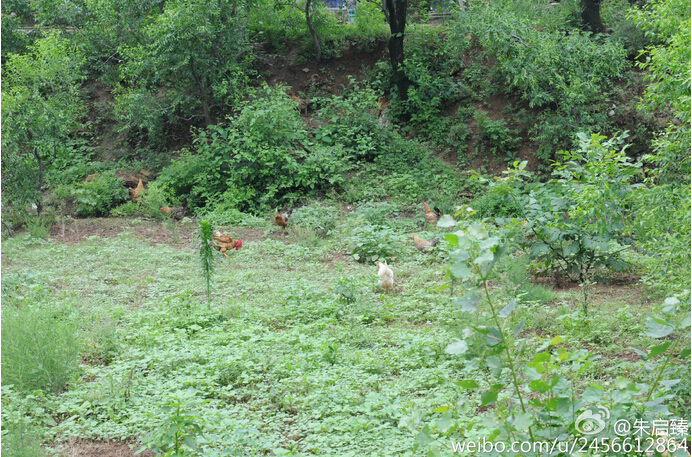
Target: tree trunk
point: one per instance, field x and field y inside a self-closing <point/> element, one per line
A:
<point x="591" y="15"/>
<point x="318" y="48"/>
<point x="397" y="26"/>
<point x="203" y="94"/>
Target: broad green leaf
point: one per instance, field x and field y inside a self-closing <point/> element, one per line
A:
<point x="507" y="310"/>
<point x="460" y="270"/>
<point x="592" y="394"/>
<point x="655" y="350"/>
<point x="538" y="249"/>
<point x="538" y="386"/>
<point x="493" y="337"/>
<point x="456" y="348"/>
<point x="446" y="221"/>
<point x="555" y="341"/>
<point x="655" y="328"/>
<point x="488" y="398"/>
<point x="486" y="256"/>
<point x="467" y="384"/>
<point x="489" y="242"/>
<point x="523" y="421"/>
<point x="532" y="373"/>
<point x="493" y="362"/>
<point x="468" y="302"/>
<point x="519" y="327"/>
<point x="442" y="409"/>
<point x="670" y="305"/>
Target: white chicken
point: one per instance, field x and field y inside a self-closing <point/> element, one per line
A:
<point x="386" y="276"/>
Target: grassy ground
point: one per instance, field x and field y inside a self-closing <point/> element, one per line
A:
<point x="299" y="349"/>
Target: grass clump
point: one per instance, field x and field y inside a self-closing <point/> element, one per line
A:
<point x="40" y="350"/>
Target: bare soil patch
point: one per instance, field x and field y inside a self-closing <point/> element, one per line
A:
<point x="150" y="230"/>
<point x="85" y="448"/>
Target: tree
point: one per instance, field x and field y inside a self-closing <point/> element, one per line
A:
<point x="41" y="106"/>
<point x="318" y="48"/>
<point x="591" y="15"/>
<point x="667" y="22"/>
<point x="191" y="64"/>
<point x="396" y="12"/>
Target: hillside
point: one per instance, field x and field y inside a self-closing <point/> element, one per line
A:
<point x="522" y="168"/>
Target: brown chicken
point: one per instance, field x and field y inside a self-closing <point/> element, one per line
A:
<point x="423" y="245"/>
<point x="430" y="217"/>
<point x="176" y="212"/>
<point x="281" y="220"/>
<point x="225" y="243"/>
<point x="302" y="104"/>
<point x="136" y="192"/>
<point x="383" y="105"/>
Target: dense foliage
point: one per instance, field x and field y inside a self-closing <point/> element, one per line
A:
<point x="556" y="281"/>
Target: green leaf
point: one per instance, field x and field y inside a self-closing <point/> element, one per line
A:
<point x="493" y="337"/>
<point x="446" y="221"/>
<point x="592" y="394"/>
<point x="656" y="350"/>
<point x="656" y="328"/>
<point x="467" y="384"/>
<point x="457" y="348"/>
<point x="460" y="270"/>
<point x="538" y="249"/>
<point x="486" y="256"/>
<point x="494" y="362"/>
<point x="488" y="398"/>
<point x="519" y="327"/>
<point x="523" y="421"/>
<point x="685" y="353"/>
<point x="468" y="302"/>
<point x="442" y="409"/>
<point x="670" y="305"/>
<point x="507" y="310"/>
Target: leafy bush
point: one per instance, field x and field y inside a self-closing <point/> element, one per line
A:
<point x="39" y="349"/>
<point x="495" y="204"/>
<point x="429" y="65"/>
<point x="495" y="136"/>
<point x="98" y="196"/>
<point x="322" y="219"/>
<point x="260" y="160"/>
<point x="370" y="25"/>
<point x="551" y="373"/>
<point x="374" y="213"/>
<point x="571" y="223"/>
<point x="566" y="74"/>
<point x="370" y="243"/>
<point x="662" y="229"/>
<point x="668" y="21"/>
<point x="351" y="121"/>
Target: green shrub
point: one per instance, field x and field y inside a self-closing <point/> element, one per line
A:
<point x="127" y="209"/>
<point x="351" y="121"/>
<point x="260" y="160"/>
<point x="371" y="27"/>
<point x="495" y="204"/>
<point x="39" y="349"/>
<point x="374" y="213"/>
<point x="370" y="243"/>
<point x="39" y="226"/>
<point x="495" y="136"/>
<point x="321" y="219"/>
<point x="579" y="220"/>
<point x="567" y="73"/>
<point x="662" y="230"/>
<point x="20" y="438"/>
<point x="98" y="196"/>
